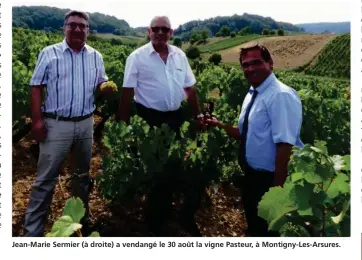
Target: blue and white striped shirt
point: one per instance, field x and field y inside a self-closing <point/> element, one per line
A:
<point x="70" y="78"/>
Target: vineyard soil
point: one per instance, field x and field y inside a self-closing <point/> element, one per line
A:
<point x="224" y="217"/>
<point x="288" y="52"/>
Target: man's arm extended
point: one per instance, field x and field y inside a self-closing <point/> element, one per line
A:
<point x="124" y="108"/>
<point x="232" y="131"/>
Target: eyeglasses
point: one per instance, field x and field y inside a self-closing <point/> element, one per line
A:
<point x="74" y="26"/>
<point x="251" y="63"/>
<point x="156" y="29"/>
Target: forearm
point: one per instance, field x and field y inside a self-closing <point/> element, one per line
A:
<point x="193" y="100"/>
<point x="283" y="153"/>
<point x="232" y="131"/>
<point x="36" y="94"/>
<point x="124" y="108"/>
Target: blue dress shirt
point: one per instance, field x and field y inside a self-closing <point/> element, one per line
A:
<point x="275" y="117"/>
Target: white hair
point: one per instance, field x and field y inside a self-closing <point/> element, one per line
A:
<point x="161" y="17"/>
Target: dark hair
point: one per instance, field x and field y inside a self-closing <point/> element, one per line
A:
<point x="76" y="13"/>
<point x="263" y="51"/>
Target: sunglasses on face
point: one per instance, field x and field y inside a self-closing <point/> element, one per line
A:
<point x="156" y="29"/>
<point x="74" y="26"/>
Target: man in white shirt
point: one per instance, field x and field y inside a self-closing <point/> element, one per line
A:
<point x="159" y="78"/>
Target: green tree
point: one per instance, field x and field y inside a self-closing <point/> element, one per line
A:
<point x="225" y="31"/>
<point x="265" y="32"/>
<point x="232" y="34"/>
<point x="193" y="52"/>
<point x="177" y="42"/>
<point x="272" y="32"/>
<point x="215" y="58"/>
<point x="280" y="32"/>
<point x="195" y="37"/>
<point x="245" y="31"/>
<point x="204" y="35"/>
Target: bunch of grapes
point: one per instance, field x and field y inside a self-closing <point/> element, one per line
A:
<point x="109" y="84"/>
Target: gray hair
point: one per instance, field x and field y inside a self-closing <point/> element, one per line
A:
<point x="161" y="17"/>
<point x="84" y="15"/>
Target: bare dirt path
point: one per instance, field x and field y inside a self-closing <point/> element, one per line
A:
<point x="288" y="52"/>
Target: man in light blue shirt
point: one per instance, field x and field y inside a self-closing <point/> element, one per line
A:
<point x="269" y="126"/>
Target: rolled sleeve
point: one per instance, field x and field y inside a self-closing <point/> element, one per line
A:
<point x="130" y="73"/>
<point x="40" y="74"/>
<point x="190" y="79"/>
<point x="286" y="118"/>
<point x="102" y="77"/>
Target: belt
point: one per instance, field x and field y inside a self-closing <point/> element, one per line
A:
<point x="62" y="118"/>
<point x="172" y="112"/>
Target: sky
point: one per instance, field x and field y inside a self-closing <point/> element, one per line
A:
<point x="139" y="13"/>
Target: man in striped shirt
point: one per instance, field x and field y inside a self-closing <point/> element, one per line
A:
<point x="70" y="72"/>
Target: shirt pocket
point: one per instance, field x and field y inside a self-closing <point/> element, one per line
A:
<point x="93" y="77"/>
<point x="259" y="122"/>
<point x="179" y="70"/>
<point x="180" y="75"/>
<point x="56" y="71"/>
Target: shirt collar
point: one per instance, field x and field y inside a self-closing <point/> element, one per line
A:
<point x="65" y="46"/>
<point x="152" y="49"/>
<point x="264" y="85"/>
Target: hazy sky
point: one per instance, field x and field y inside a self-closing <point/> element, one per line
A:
<point x="139" y="13"/>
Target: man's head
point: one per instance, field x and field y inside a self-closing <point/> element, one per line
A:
<point x="256" y="63"/>
<point x="76" y="28"/>
<point x="160" y="30"/>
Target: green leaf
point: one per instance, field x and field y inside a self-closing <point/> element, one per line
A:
<point x="305" y="165"/>
<point x="340" y="184"/>
<point x="64" y="227"/>
<point x="324" y="171"/>
<point x="321" y="147"/>
<point x="94" y="234"/>
<point x="347" y="160"/>
<point x="75" y="209"/>
<point x="339" y="218"/>
<point x="146" y="128"/>
<point x="275" y="204"/>
<point x="297" y="176"/>
<point x="302" y="195"/>
<point x="313" y="177"/>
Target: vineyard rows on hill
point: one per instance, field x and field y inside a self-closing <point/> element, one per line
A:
<point x="315" y="199"/>
<point x="334" y="60"/>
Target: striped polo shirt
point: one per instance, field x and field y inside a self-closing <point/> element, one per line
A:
<point x="70" y="79"/>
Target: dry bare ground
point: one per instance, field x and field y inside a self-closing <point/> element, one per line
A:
<point x="288" y="52"/>
<point x="224" y="217"/>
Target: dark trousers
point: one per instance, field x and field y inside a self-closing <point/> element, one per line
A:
<point x="174" y="119"/>
<point x="254" y="185"/>
<point x="159" y="203"/>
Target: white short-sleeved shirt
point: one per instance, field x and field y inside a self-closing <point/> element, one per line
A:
<point x="158" y="85"/>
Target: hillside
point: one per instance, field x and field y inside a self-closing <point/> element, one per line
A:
<point x="236" y="22"/>
<point x="342" y="27"/>
<point x="52" y="18"/>
<point x="334" y="60"/>
<point x="288" y="52"/>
